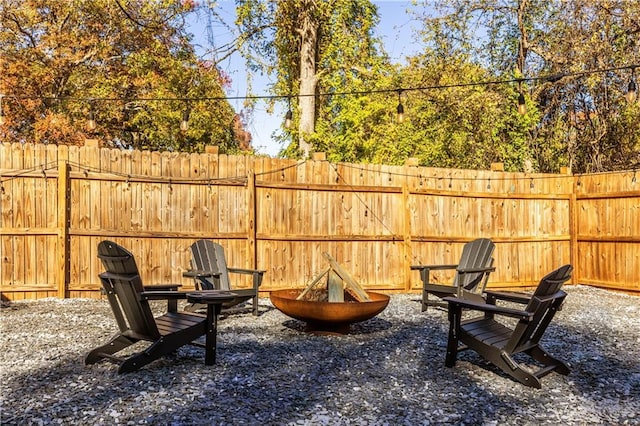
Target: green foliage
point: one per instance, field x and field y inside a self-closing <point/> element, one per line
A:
<point x="455" y="126"/>
<point x="61" y="59"/>
<point x="573" y="120"/>
<point x="346" y="54"/>
<point x="464" y="127"/>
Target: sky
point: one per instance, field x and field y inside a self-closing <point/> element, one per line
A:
<point x="395" y="29"/>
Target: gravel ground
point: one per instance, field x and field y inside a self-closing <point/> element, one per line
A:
<point x="389" y="371"/>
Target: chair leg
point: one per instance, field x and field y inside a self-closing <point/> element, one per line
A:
<point x="156" y="350"/>
<point x="543" y="357"/>
<point x="161" y="347"/>
<point x="524" y="377"/>
<point x="136" y="361"/>
<point x="255" y="305"/>
<point x="424" y="277"/>
<point x="455" y="314"/>
<point x="503" y="361"/>
<point x="425" y="300"/>
<point x="116" y="344"/>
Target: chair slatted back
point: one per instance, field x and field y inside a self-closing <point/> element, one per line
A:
<point x="475" y="254"/>
<point x="122" y="283"/>
<point x="209" y="256"/>
<point x="544" y="303"/>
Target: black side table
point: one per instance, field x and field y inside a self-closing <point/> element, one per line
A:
<point x="214" y="300"/>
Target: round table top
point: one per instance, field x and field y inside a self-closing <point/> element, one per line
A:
<point x="211" y="296"/>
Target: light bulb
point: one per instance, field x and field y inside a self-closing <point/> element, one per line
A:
<point x="632" y="93"/>
<point x="522" y="106"/>
<point x="400" y="108"/>
<point x="287" y="119"/>
<point x="91" y="122"/>
<point x="184" y="124"/>
<point x="400" y="116"/>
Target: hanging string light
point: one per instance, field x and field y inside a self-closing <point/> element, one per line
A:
<point x="184" y="124"/>
<point x="400" y="108"/>
<point x="288" y="118"/>
<point x="632" y="94"/>
<point x="91" y="125"/>
<point x="91" y="121"/>
<point x="522" y="106"/>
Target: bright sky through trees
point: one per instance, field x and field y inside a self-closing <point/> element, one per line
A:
<point x="395" y="30"/>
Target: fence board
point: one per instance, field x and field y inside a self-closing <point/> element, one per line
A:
<point x="374" y="219"/>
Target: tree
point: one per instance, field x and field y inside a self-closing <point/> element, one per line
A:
<point x="131" y="64"/>
<point x="309" y="45"/>
<point x="601" y="130"/>
<point x="449" y="122"/>
<point x="575" y="118"/>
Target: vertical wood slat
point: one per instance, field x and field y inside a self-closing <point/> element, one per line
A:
<point x="251" y="220"/>
<point x="407" y="252"/>
<point x="63" y="228"/>
<point x="573" y="231"/>
<point x="520" y="225"/>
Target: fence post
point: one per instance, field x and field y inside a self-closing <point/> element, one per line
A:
<point x="251" y="223"/>
<point x="574" y="259"/>
<point x="319" y="156"/>
<point x="63" y="229"/>
<point x="408" y="250"/>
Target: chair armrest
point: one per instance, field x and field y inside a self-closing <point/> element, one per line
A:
<point x="160" y="287"/>
<point x="485" y="307"/>
<point x="257" y="275"/>
<point x="474" y="270"/>
<point x="509" y="296"/>
<point x="245" y="271"/>
<point x="198" y="273"/>
<point x="433" y="267"/>
<point x="425" y="276"/>
<point x="163" y="295"/>
<point x="558" y="294"/>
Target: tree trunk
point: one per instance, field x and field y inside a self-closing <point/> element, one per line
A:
<point x="308" y="80"/>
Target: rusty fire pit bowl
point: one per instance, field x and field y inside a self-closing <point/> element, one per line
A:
<point x="328" y="317"/>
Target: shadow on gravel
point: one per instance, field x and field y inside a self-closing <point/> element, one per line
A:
<point x="373" y="325"/>
<point x="390" y="370"/>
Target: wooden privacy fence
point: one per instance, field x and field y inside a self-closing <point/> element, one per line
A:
<point x="58" y="202"/>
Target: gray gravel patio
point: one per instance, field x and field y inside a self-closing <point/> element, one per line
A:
<point x="389" y="371"/>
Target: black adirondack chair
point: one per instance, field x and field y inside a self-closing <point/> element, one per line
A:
<point x="497" y="342"/>
<point x="129" y="300"/>
<point x="210" y="272"/>
<point x="472" y="273"/>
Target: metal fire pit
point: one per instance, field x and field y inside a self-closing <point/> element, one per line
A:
<point x="328" y="317"/>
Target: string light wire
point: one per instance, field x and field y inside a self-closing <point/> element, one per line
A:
<point x="127" y="177"/>
<point x="549" y="78"/>
<point x="289" y="115"/>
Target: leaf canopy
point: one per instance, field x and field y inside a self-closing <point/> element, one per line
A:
<point x="129" y="63"/>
